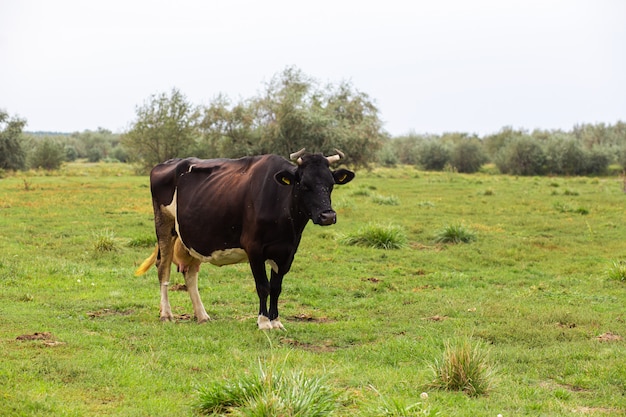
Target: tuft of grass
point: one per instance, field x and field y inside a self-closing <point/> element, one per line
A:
<point x="377" y="236"/>
<point x="617" y="271"/>
<point x="268" y="394"/>
<point x="464" y="367"/>
<point x="455" y="233"/>
<point x="389" y="200"/>
<point x="104" y="241"/>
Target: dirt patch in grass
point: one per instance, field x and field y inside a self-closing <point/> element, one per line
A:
<point x="109" y="312"/>
<point x="304" y="317"/>
<point x="178" y="287"/>
<point x="46" y="337"/>
<point x="609" y="337"/>
<point x="35" y="336"/>
<point x="325" y="347"/>
<point x="436" y="317"/>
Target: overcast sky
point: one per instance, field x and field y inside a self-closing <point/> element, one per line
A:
<point x="430" y="66"/>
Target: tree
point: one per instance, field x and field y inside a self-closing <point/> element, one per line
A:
<point x="12" y="154"/>
<point x="165" y="128"/>
<point x="433" y="155"/>
<point x="467" y="156"/>
<point x="522" y="156"/>
<point x="48" y="155"/>
<point x="295" y="113"/>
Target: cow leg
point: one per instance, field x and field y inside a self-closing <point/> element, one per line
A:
<point x="263" y="291"/>
<point x="191" y="281"/>
<point x="164" y="267"/>
<point x="276" y="284"/>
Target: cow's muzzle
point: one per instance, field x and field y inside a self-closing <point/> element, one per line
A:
<point x="327" y="218"/>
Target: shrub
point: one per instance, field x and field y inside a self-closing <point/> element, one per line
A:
<point x="433" y="155"/>
<point x="467" y="157"/>
<point x="522" y="156"/>
<point x="376" y="236"/>
<point x="269" y="394"/>
<point x="456" y="233"/>
<point x="465" y="368"/>
<point x="48" y="155"/>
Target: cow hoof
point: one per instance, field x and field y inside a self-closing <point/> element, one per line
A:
<point x="167" y="318"/>
<point x="276" y="324"/>
<point x="264" y="323"/>
<point x="203" y="319"/>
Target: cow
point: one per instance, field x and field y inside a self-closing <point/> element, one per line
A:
<point x="226" y="211"/>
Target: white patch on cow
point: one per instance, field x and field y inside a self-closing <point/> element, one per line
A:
<point x="222" y="257"/>
<point x="171" y="209"/>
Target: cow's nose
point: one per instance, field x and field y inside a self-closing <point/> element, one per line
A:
<point x="327" y="218"/>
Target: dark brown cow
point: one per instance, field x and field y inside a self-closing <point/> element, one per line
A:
<point x="225" y="211"/>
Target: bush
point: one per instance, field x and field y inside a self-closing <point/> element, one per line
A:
<point x="387" y="157"/>
<point x="522" y="156"/>
<point x="465" y="368"/>
<point x="467" y="157"/>
<point x="379" y="237"/>
<point x="48" y="155"/>
<point x="12" y="154"/>
<point x="434" y="155"/>
<point x="565" y="157"/>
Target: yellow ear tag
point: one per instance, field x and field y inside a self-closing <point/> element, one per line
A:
<point x="343" y="177"/>
<point x="285" y="180"/>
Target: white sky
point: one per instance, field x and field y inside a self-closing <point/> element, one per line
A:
<point x="430" y="66"/>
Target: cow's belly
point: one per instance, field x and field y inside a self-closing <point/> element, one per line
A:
<point x="222" y="257"/>
<point x="228" y="257"/>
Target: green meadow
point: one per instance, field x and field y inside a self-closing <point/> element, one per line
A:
<point x="539" y="290"/>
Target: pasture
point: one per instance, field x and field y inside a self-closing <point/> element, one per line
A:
<point x="80" y="334"/>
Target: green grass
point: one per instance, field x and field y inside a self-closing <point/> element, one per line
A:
<point x="80" y="334"/>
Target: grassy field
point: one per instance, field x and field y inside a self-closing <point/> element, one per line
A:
<point x="538" y="291"/>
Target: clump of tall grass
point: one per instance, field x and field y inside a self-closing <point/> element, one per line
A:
<point x="104" y="241"/>
<point x="455" y="233"/>
<point x="269" y="394"/>
<point x="377" y="236"/>
<point x="464" y="367"/>
<point x="617" y="271"/>
<point x="386" y="200"/>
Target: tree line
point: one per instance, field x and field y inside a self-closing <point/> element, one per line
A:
<point x="295" y="111"/>
<point x="587" y="149"/>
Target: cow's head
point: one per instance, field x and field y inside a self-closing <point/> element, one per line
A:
<point x="313" y="182"/>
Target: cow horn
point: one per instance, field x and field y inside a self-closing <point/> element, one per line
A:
<point x="335" y="158"/>
<point x="296" y="156"/>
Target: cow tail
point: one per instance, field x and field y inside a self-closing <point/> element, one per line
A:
<point x="147" y="263"/>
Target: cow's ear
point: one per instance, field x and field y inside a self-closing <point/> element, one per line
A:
<point x="285" y="177"/>
<point x="343" y="176"/>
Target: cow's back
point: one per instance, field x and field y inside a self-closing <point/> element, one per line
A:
<point x="217" y="201"/>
